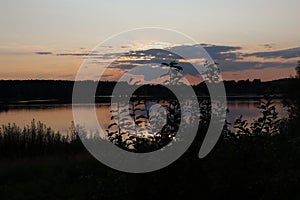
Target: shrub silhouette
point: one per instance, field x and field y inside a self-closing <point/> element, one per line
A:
<point x="265" y="124"/>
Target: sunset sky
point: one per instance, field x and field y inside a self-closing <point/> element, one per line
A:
<point x="49" y="39"/>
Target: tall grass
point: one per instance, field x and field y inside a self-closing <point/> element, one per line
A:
<point x="36" y="138"/>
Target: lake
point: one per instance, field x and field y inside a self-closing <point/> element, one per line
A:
<point x="59" y="116"/>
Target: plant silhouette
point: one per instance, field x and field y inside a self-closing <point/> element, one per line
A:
<point x="147" y="130"/>
<point x="173" y="72"/>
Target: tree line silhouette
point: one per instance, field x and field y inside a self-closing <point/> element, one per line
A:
<point x="13" y="91"/>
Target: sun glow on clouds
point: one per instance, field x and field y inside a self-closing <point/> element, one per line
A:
<point x="262" y="59"/>
<point x="38" y="62"/>
<point x="155" y="45"/>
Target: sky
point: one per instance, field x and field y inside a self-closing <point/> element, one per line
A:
<point x="45" y="39"/>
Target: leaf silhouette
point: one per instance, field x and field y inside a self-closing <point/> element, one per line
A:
<point x="130" y="80"/>
<point x="111" y="125"/>
<point x="140" y="109"/>
<point x="173" y="63"/>
<point x="177" y="68"/>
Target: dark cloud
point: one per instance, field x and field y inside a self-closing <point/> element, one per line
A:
<point x="147" y="56"/>
<point x="72" y="54"/>
<point x="222" y="52"/>
<point x="125" y="47"/>
<point x="43" y="53"/>
<point x="268" y="46"/>
<point x="217" y="52"/>
<point x="245" y="65"/>
<point x="229" y="58"/>
<point x="120" y="65"/>
<point x="92" y="54"/>
<point x="151" y="56"/>
<point x="286" y="53"/>
<point x="111" y="55"/>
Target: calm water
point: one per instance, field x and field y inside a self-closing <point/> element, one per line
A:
<point x="59" y="117"/>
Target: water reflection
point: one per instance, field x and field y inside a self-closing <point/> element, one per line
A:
<point x="59" y="117"/>
<point x="249" y="110"/>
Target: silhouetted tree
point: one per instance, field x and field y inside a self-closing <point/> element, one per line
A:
<point x="173" y="72"/>
<point x="298" y="69"/>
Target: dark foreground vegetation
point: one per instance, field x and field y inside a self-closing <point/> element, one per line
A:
<point x="252" y="160"/>
<point x="255" y="161"/>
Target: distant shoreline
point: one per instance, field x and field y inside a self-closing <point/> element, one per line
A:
<point x="107" y="100"/>
<point x="60" y="92"/>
